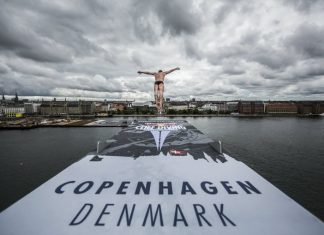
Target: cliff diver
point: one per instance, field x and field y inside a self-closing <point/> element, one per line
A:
<point x="159" y="86"/>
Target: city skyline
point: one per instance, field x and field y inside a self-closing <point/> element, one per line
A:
<point x="227" y="50"/>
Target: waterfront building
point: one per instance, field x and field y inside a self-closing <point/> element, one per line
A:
<point x="245" y="107"/>
<point x="209" y="107"/>
<point x="147" y="104"/>
<point x="73" y="108"/>
<point x="222" y="107"/>
<point x="119" y="105"/>
<point x="116" y="106"/>
<point x="45" y="108"/>
<point x="64" y="107"/>
<point x="28" y="108"/>
<point x="32" y="108"/>
<point x="282" y="107"/>
<point x="321" y="107"/>
<point x="258" y="107"/>
<point x="310" y="107"/>
<point x="178" y="105"/>
<point x="53" y="108"/>
<point x="58" y="108"/>
<point x="144" y="107"/>
<point x="101" y="107"/>
<point x="232" y="107"/>
<point x="251" y="107"/>
<point x="12" y="111"/>
<point x="192" y="105"/>
<point x="87" y="107"/>
<point x="11" y="108"/>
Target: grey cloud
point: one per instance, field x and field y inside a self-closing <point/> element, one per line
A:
<point x="272" y="58"/>
<point x="246" y="82"/>
<point x="308" y="89"/>
<point x="249" y="48"/>
<point x="11" y="83"/>
<point x="224" y="10"/>
<point x="58" y="30"/>
<point x="137" y="59"/>
<point x="232" y="67"/>
<point x="85" y="48"/>
<point x="225" y="52"/>
<point x="233" y="71"/>
<point x="313" y="91"/>
<point x="275" y="56"/>
<point x="45" y="54"/>
<point x="177" y="16"/>
<point x="306" y="72"/>
<point x="269" y="75"/>
<point x="250" y="38"/>
<point x="308" y="40"/>
<point x="23" y="67"/>
<point x="4" y="68"/>
<point x="50" y="34"/>
<point x="20" y="39"/>
<point x="230" y="6"/>
<point x="318" y="72"/>
<point x="192" y="49"/>
<point x="264" y="55"/>
<point x="304" y="5"/>
<point x="222" y="13"/>
<point x="38" y="86"/>
<point x="80" y="94"/>
<point x="307" y="69"/>
<point x="144" y="30"/>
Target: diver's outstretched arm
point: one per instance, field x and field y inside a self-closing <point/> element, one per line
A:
<point x="170" y="71"/>
<point x="148" y="73"/>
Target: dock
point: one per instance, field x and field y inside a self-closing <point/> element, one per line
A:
<point x="23" y="124"/>
<point x="158" y="177"/>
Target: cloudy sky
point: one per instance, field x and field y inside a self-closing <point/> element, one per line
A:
<point x="226" y="49"/>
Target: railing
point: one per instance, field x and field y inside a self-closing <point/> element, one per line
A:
<point x="220" y="147"/>
<point x="100" y="143"/>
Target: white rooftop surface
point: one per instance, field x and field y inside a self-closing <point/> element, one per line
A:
<point x="191" y="208"/>
<point x="147" y="181"/>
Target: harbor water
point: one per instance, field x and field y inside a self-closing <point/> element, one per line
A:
<point x="289" y="152"/>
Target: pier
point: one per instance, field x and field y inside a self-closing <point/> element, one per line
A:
<point x="158" y="177"/>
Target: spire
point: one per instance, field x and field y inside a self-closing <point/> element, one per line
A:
<point x="16" y="98"/>
<point x="3" y="97"/>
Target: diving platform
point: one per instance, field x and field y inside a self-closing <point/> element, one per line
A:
<point x="158" y="177"/>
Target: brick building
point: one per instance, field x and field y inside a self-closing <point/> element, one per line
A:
<point x="282" y="107"/>
<point x="257" y="107"/>
<point x="310" y="107"/>
<point x="245" y="107"/>
<point x="250" y="107"/>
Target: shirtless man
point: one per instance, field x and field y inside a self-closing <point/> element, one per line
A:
<point x="159" y="86"/>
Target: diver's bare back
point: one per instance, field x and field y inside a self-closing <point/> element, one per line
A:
<point x="159" y="76"/>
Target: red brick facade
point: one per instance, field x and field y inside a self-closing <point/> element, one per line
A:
<point x="281" y="108"/>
